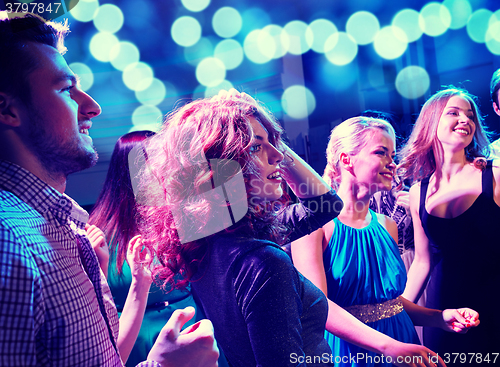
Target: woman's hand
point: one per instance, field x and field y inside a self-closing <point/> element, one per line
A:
<point x="459" y="320"/>
<point x="412" y="355"/>
<point x="99" y="244"/>
<point x="136" y="257"/>
<point x="403" y="199"/>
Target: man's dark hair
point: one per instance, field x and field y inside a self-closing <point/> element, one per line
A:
<point x="16" y="62"/>
<point x="495" y="86"/>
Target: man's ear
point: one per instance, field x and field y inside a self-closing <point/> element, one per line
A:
<point x="496" y="108"/>
<point x="9" y="110"/>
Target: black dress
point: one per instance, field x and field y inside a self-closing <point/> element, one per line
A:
<point x="465" y="272"/>
<point x="264" y="312"/>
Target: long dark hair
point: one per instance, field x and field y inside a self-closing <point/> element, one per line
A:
<point x="115" y="210"/>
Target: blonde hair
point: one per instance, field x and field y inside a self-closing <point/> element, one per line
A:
<point x="350" y="137"/>
<point x="418" y="156"/>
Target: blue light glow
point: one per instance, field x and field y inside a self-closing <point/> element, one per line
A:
<point x="230" y="53"/>
<point x="390" y="42"/>
<point x="300" y="35"/>
<point x="435" y="19"/>
<point x="108" y="18"/>
<point x="363" y="26"/>
<point x="408" y="21"/>
<point x="321" y="29"/>
<point x="101" y="45"/>
<point x="412" y="82"/>
<point x="460" y="11"/>
<point x="478" y="24"/>
<point x="138" y="76"/>
<point x="341" y="48"/>
<point x="186" y="31"/>
<point x="84" y="73"/>
<point x="210" y="72"/>
<point x="298" y="102"/>
<point x="227" y="22"/>
<point x="195" y="5"/>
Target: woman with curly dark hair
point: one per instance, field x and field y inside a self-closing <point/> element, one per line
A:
<point x="213" y="211"/>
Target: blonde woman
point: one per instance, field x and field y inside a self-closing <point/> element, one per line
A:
<point x="355" y="260"/>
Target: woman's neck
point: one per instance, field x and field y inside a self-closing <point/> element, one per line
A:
<point x="451" y="164"/>
<point x="356" y="201"/>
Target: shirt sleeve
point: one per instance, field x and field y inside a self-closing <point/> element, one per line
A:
<point x="21" y="303"/>
<point x="267" y="291"/>
<point x="310" y="214"/>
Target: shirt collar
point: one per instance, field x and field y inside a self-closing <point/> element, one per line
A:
<point x="37" y="194"/>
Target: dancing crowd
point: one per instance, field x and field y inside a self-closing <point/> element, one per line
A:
<point x="213" y="243"/>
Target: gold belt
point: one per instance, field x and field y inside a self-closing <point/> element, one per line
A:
<point x="376" y="311"/>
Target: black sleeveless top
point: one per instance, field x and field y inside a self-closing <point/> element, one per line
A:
<point x="465" y="270"/>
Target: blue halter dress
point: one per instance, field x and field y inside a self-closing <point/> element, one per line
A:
<point x="362" y="267"/>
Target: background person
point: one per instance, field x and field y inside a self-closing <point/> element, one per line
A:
<point x="495" y="100"/>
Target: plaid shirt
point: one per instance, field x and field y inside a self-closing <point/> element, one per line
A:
<point x="55" y="305"/>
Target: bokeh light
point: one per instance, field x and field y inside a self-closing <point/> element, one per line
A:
<point x="299" y="33"/>
<point x="230" y="52"/>
<point x="101" y="45"/>
<point x="412" y="82"/>
<point x="298" y="102"/>
<point x="478" y="24"/>
<point x="390" y="42"/>
<point x="84" y="74"/>
<point x="138" y="76"/>
<point x="152" y="95"/>
<point x="227" y="22"/>
<point x="108" y="18"/>
<point x="186" y="31"/>
<point x="362" y="26"/>
<point x="210" y="72"/>
<point x="255" y="43"/>
<point x="146" y="118"/>
<point x="460" y="11"/>
<point x="492" y="38"/>
<point x="123" y="54"/>
<point x="321" y="29"/>
<point x="408" y="21"/>
<point x="84" y="11"/>
<point x="202" y="49"/>
<point x="435" y="19"/>
<point x="281" y="40"/>
<point x="340" y="48"/>
<point x="195" y="5"/>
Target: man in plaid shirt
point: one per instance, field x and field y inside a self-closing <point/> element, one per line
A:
<point x="55" y="306"/>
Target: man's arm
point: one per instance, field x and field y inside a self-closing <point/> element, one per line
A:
<point x="21" y="304"/>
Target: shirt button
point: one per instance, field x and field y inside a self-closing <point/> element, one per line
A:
<point x="63" y="202"/>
